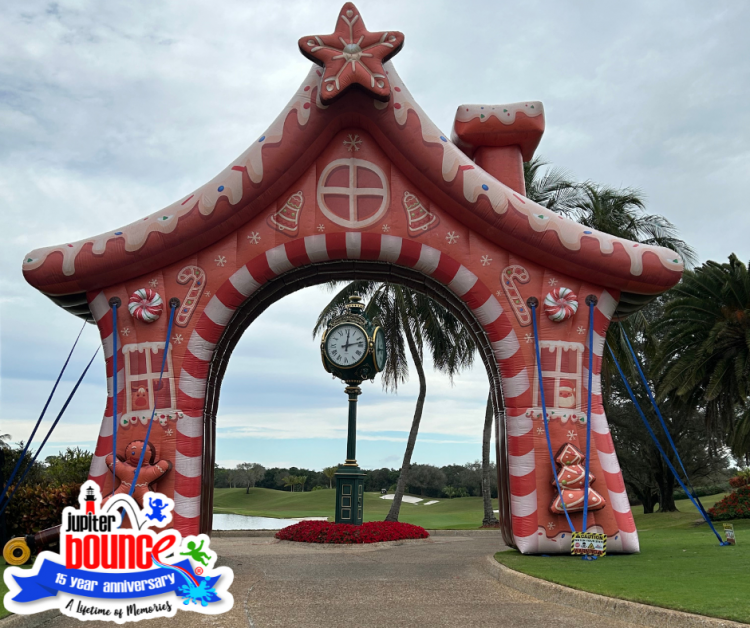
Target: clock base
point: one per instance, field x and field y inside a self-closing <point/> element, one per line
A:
<point x="350" y="486"/>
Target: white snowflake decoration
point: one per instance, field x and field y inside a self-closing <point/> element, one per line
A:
<point x="321" y="228"/>
<point x="551" y="525"/>
<point x="572" y="434"/>
<point x="528" y="338"/>
<point x="207" y="293"/>
<point x="552" y="281"/>
<point x="386" y="228"/>
<point x="220" y="260"/>
<point x="581" y="329"/>
<point x="125" y="331"/>
<point x="452" y="237"/>
<point x="353" y="143"/>
<point x="254" y="237"/>
<point x="177" y="339"/>
<point x="153" y="283"/>
<point x="486" y="260"/>
<point x="499" y="293"/>
<point x="169" y="431"/>
<point x="540" y="430"/>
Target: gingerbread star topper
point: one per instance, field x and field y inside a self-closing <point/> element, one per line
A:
<point x="352" y="55"/>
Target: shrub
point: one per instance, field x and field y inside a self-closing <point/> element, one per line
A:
<point x="37" y="507"/>
<point x="733" y="506"/>
<point x="741" y="479"/>
<point x="703" y="491"/>
<point x="371" y="532"/>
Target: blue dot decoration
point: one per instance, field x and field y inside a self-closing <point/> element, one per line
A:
<point x="485" y="187"/>
<point x="587" y="232"/>
<point x="118" y="232"/>
<point x="262" y="137"/>
<point x="442" y="138"/>
<point x="221" y="188"/>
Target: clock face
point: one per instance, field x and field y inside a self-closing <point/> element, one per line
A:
<point x="346" y="345"/>
<point x="379" y="349"/>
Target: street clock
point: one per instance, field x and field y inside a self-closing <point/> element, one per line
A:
<point x="352" y="348"/>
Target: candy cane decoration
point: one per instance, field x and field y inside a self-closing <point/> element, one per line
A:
<point x="509" y="277"/>
<point x="198" y="277"/>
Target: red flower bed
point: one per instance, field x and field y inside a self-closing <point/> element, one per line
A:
<point x="734" y="506"/>
<point x="371" y="532"/>
<point x="739" y="480"/>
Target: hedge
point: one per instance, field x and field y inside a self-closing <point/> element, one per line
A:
<point x="35" y="508"/>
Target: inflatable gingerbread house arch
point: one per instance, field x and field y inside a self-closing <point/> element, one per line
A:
<point x="353" y="180"/>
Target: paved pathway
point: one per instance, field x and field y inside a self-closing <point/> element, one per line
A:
<point x="440" y="582"/>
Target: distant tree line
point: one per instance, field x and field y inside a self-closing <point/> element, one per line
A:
<point x="450" y="481"/>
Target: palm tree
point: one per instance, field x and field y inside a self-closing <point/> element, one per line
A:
<point x="329" y="472"/>
<point x="617" y="211"/>
<point x="705" y="355"/>
<point x="550" y="187"/>
<point x="489" y="514"/>
<point x="410" y="320"/>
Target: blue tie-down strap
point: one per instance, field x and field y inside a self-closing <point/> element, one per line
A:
<point x="647" y="425"/>
<point x="54" y="578"/>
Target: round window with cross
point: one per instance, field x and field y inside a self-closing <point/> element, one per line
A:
<point x="353" y="193"/>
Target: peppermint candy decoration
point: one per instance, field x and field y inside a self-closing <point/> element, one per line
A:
<point x="560" y="304"/>
<point x="145" y="305"/>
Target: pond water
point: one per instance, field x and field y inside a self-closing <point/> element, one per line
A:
<point x="243" y="522"/>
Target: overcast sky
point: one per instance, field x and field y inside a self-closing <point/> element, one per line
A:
<point x="111" y="110"/>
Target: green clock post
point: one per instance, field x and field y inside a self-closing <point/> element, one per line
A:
<point x="353" y="349"/>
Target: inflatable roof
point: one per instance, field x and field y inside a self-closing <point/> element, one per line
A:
<point x="352" y="170"/>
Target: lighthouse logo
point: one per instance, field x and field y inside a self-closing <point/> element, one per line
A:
<point x="113" y="566"/>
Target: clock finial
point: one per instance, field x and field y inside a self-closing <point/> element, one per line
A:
<point x="355" y="305"/>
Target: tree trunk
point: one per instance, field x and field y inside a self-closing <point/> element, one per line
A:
<point x="666" y="492"/>
<point x="489" y="515"/>
<point x="648" y="501"/>
<point x="396" y="505"/>
<point x="247" y="489"/>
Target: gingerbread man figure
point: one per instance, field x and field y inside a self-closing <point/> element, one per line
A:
<point x="125" y="470"/>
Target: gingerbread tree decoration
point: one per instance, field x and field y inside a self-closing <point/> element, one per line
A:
<point x="571" y="476"/>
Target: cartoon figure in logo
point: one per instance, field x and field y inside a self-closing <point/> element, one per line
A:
<point x="196" y="554"/>
<point x="150" y="471"/>
<point x="157" y="505"/>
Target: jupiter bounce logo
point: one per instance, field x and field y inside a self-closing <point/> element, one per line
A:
<point x="107" y="571"/>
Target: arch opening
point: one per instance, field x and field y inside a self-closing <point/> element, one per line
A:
<point x="347" y="270"/>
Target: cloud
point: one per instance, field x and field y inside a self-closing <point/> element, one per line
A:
<point x="109" y="111"/>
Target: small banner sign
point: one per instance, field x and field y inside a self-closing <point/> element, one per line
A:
<point x="729" y="533"/>
<point x="588" y="544"/>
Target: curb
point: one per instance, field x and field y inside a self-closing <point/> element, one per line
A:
<point x="219" y="534"/>
<point x="29" y="621"/>
<point x="624" y="610"/>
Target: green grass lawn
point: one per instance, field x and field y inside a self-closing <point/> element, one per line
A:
<point x="461" y="513"/>
<point x="3" y="588"/>
<point x="681" y="566"/>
